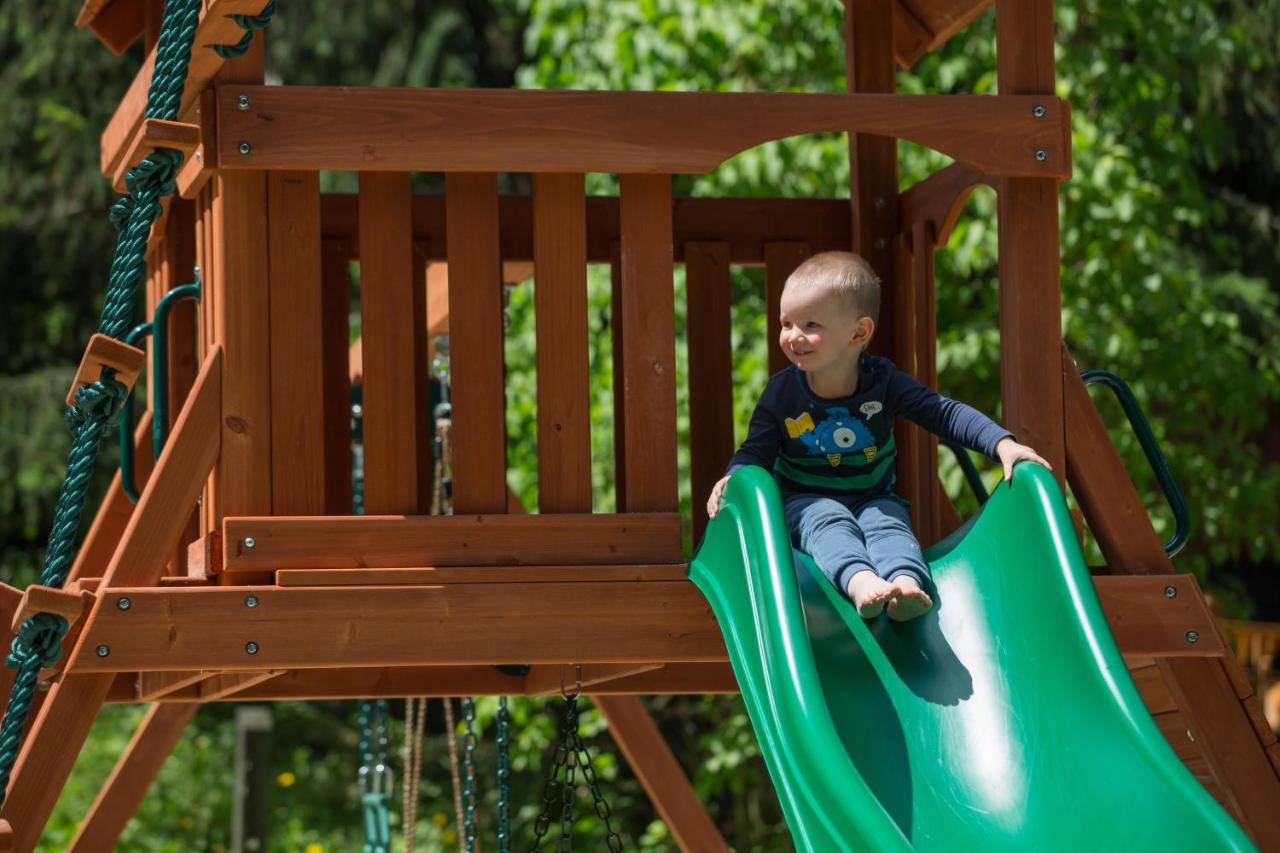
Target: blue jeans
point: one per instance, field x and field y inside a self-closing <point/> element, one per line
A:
<point x="847" y="535"/>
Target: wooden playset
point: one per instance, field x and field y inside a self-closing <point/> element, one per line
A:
<point x="242" y="575"/>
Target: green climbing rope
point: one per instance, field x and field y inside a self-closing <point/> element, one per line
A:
<point x="97" y="406"/>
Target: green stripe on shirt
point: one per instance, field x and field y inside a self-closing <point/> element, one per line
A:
<point x="858" y="482"/>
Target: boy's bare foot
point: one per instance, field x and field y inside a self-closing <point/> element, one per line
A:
<point x="870" y="593"/>
<point x="909" y="600"/>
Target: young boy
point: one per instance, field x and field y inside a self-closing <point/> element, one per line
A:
<point x="824" y="426"/>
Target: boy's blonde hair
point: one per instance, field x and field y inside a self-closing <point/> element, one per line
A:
<point x="844" y="275"/>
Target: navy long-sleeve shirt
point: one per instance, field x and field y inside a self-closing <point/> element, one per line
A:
<point x="840" y="446"/>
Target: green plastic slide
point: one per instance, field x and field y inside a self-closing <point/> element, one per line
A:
<point x="1003" y="720"/>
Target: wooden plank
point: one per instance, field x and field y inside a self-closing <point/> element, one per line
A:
<point x="1146" y="620"/>
<point x="560" y="302"/>
<point x="1229" y="744"/>
<point x="780" y="261"/>
<point x="873" y="160"/>
<point x="116" y="24"/>
<point x="336" y="384"/>
<point x="911" y="38"/>
<point x="1031" y="382"/>
<point x="940" y="19"/>
<point x="1155" y="693"/>
<point x="648" y="356"/>
<point x="1262" y="728"/>
<point x="673" y="679"/>
<point x="157" y="685"/>
<point x="480" y="574"/>
<point x="939" y="199"/>
<point x="242" y="325"/>
<point x="198" y="168"/>
<point x="10" y="601"/>
<point x="475" y="344"/>
<point x="663" y="778"/>
<point x="454" y="624"/>
<point x="369" y="541"/>
<point x="468" y="130"/>
<point x="223" y="685"/>
<point x="388" y="330"/>
<point x="709" y="301"/>
<point x="616" y="335"/>
<point x="926" y="505"/>
<point x="553" y="679"/>
<point x="745" y="224"/>
<point x="1173" y="725"/>
<point x="115" y="510"/>
<point x="157" y="523"/>
<point x="179" y="259"/>
<point x="215" y="27"/>
<point x="347" y="682"/>
<point x="297" y="354"/>
<point x="120" y="797"/>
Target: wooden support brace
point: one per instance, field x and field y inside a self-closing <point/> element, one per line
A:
<point x="202" y="162"/>
<point x="46" y="599"/>
<point x="155" y="133"/>
<point x="221" y="685"/>
<point x="551" y="679"/>
<point x="1159" y="616"/>
<point x="156" y="685"/>
<point x="204" y="556"/>
<point x="105" y="351"/>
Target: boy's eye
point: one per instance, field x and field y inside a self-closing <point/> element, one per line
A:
<point x="812" y="325"/>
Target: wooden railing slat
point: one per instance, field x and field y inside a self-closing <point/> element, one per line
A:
<point x="780" y="261"/>
<point x="710" y="371"/>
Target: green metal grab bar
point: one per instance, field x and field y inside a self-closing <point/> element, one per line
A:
<point x="1151" y="449"/>
<point x="158" y="329"/>
<point x="971" y="475"/>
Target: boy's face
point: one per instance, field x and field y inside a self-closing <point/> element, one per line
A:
<point x="819" y="330"/>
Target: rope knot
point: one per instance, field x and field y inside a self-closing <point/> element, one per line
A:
<point x="157" y="173"/>
<point x="99" y="401"/>
<point x="38" y="642"/>
<point x="121" y="210"/>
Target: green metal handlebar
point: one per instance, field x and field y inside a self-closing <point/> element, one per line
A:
<point x="971" y="475"/>
<point x="158" y="328"/>
<point x="1151" y="449"/>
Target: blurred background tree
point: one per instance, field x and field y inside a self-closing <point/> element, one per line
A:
<point x="1171" y="277"/>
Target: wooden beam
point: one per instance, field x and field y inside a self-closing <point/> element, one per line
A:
<point x="116" y="24"/>
<point x="744" y="224"/>
<point x="481" y="574"/>
<point x="710" y="352"/>
<point x="648" y="337"/>
<point x="373" y="541"/>
<point x="560" y="303"/>
<point x="929" y="24"/>
<point x="1159" y="616"/>
<point x="216" y="27"/>
<point x="297" y="628"/>
<point x="120" y="797"/>
<point x="388" y="331"/>
<point x="297" y="357"/>
<point x="663" y="778"/>
<point x="303" y="127"/>
<point x="475" y="344"/>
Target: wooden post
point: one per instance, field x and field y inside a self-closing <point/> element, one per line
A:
<point x="926" y="504"/>
<point x="710" y="371"/>
<point x="648" y="358"/>
<point x="388" y="330"/>
<point x="1030" y="298"/>
<point x="560" y="295"/>
<point x="661" y="775"/>
<point x="141" y="760"/>
<point x="475" y="343"/>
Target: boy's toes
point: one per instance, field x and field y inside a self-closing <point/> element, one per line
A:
<point x="911" y="602"/>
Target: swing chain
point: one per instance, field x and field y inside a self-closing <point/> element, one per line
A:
<point x="469" y="741"/>
<point x="570" y="754"/>
<point x="504" y="776"/>
<point x="375" y="775"/>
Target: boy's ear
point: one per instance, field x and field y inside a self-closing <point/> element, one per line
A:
<point x="862" y="331"/>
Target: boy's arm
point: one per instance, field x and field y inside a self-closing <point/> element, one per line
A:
<point x="760" y="447"/>
<point x="946" y="418"/>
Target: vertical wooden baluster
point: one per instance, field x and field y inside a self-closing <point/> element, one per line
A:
<point x="560" y="300"/>
<point x="297" y="335"/>
<point x="388" y="329"/>
<point x="619" y="381"/>
<point x="780" y="261"/>
<point x="922" y="237"/>
<point x="425" y="425"/>
<point x="901" y="332"/>
<point x="648" y="319"/>
<point x="475" y="345"/>
<point x="335" y="332"/>
<point x="710" y="371"/>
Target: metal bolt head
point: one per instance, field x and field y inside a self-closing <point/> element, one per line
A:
<point x="250" y="543"/>
<point x="123" y="603"/>
<point x="1038" y="111"/>
<point x="880" y="243"/>
<point x="877" y="202"/>
<point x="251" y="648"/>
<point x="103" y="650"/>
<point x="1041" y="155"/>
<point x="251" y="601"/>
<point x="1193" y="637"/>
<point x="243" y="102"/>
<point x="245" y="148"/>
<point x="1170" y="592"/>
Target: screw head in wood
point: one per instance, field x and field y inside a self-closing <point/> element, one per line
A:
<point x="1041" y="154"/>
<point x="1038" y="111"/>
<point x="251" y="648"/>
<point x="250" y="543"/>
<point x="1170" y="592"/>
<point x="103" y="650"/>
<point x="245" y="148"/>
<point x="243" y="102"/>
<point x="1193" y="637"/>
<point x="251" y="601"/>
<point x="123" y="603"/>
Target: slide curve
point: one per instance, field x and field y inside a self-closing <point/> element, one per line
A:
<point x="1003" y="720"/>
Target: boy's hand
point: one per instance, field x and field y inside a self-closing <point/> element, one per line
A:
<point x="717" y="493"/>
<point x="1010" y="452"/>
